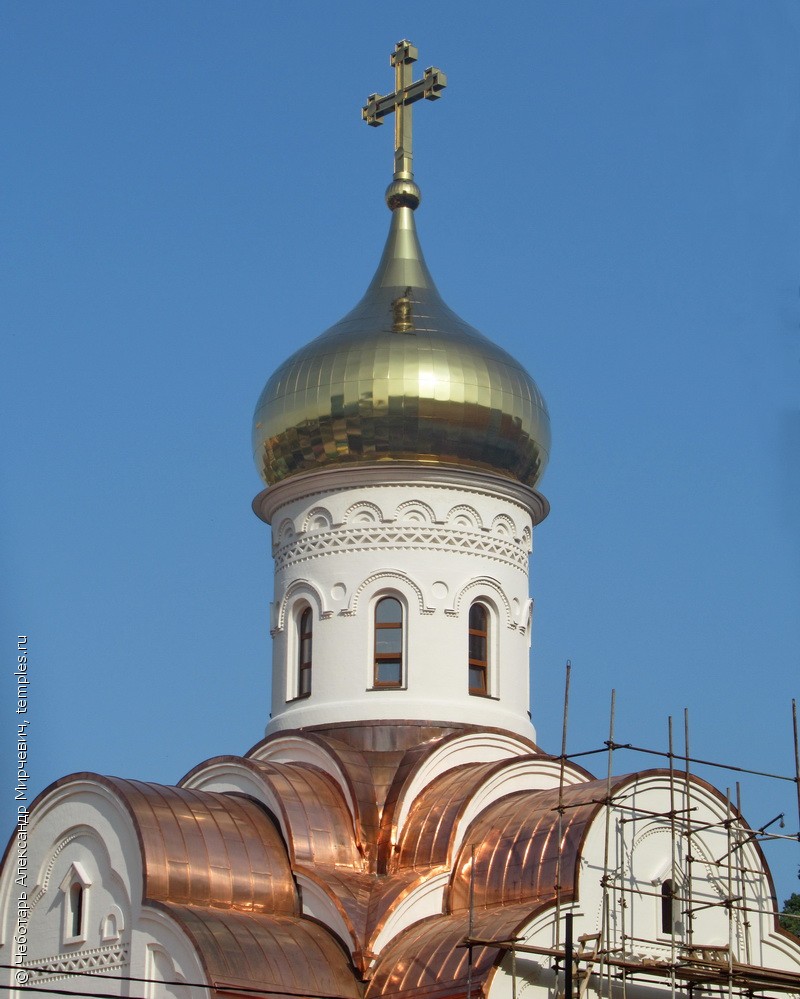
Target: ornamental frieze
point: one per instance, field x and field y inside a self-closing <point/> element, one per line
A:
<point x="389" y="537"/>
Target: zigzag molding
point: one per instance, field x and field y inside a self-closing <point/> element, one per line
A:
<point x="390" y="537"/>
<point x="63" y="965"/>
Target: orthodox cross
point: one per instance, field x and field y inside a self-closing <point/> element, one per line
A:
<point x="405" y="94"/>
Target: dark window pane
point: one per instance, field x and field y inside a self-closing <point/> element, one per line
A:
<point x="477" y="647"/>
<point x="304" y="653"/>
<point x="76" y="909"/>
<point x="667" y="903"/>
<point x="477" y="617"/>
<point x="388" y="671"/>
<point x="477" y="679"/>
<point x="389" y="611"/>
<point x="388" y="640"/>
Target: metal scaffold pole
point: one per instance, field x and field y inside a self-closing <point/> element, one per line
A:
<point x="562" y="765"/>
<point x="605" y="927"/>
<point x="741" y="871"/>
<point x="673" y="859"/>
<point x="796" y="763"/>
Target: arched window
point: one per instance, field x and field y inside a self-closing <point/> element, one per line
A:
<point x="478" y="649"/>
<point x="76" y="909"/>
<point x="388" y="643"/>
<point x="668" y="899"/>
<point x="304" y="642"/>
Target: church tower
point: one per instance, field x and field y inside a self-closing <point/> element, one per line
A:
<point x="401" y="449"/>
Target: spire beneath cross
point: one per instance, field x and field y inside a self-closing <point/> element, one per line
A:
<point x="399" y="103"/>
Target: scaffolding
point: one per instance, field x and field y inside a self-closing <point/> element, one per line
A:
<point x="609" y="961"/>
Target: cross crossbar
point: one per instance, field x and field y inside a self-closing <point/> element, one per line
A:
<point x="406" y="93"/>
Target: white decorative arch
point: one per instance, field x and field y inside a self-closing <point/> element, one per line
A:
<point x="298" y="749"/>
<point x="285" y="531"/>
<point x="77" y="832"/>
<point x="416" y="511"/>
<point x="112" y="925"/>
<point x="231" y="776"/>
<point x="301" y="588"/>
<point x="504" y="526"/>
<point x="527" y="539"/>
<point x="490" y="590"/>
<point x="363" y="512"/>
<point x="483" y="747"/>
<point x="464" y="515"/>
<point x="421" y="900"/>
<point x="319" y="518"/>
<point x="396" y="580"/>
<point x="320" y="902"/>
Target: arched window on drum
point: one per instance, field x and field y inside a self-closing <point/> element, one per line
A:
<point x="305" y="637"/>
<point x="478" y="655"/>
<point x="388" y="657"/>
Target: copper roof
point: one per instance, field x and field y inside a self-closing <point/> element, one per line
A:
<point x="204" y="848"/>
<point x="318" y="821"/>
<point x="430" y="958"/>
<point x="282" y="955"/>
<point x="217" y="862"/>
<point x="427" y="834"/>
<point x="517" y="845"/>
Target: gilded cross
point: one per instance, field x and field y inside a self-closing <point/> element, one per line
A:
<point x="405" y="94"/>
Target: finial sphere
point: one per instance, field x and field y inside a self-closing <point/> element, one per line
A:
<point x="403" y="194"/>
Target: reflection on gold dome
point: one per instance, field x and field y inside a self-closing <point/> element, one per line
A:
<point x="401" y="377"/>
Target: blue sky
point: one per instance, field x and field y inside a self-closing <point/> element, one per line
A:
<point x="609" y="191"/>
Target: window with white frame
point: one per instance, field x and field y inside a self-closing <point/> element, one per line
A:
<point x="75" y="892"/>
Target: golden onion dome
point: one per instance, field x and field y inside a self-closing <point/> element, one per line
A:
<point x="401" y="378"/>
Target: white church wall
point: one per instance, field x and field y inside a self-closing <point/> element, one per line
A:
<point x="82" y="838"/>
<point x="80" y="841"/>
<point x="165" y="957"/>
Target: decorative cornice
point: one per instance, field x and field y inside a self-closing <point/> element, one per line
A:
<point x="328" y="480"/>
